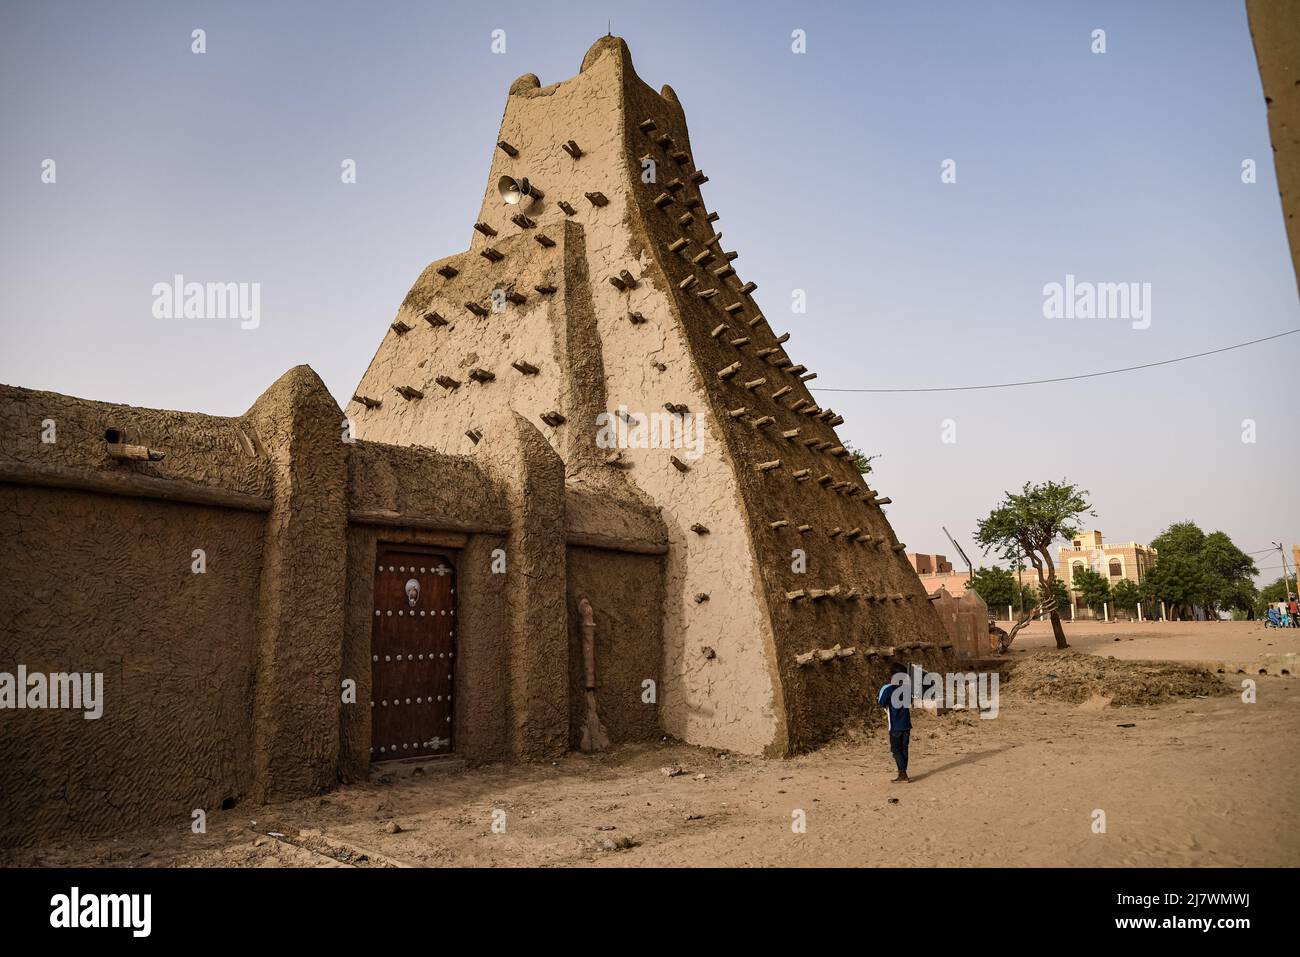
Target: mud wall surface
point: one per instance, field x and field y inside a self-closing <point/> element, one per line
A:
<point x="827" y="567"/>
<point x="402" y="486"/>
<point x="147" y="572"/>
<point x="104" y="584"/>
<point x="612" y="291"/>
<point x="598" y="346"/>
<point x="224" y="591"/>
<point x="626" y="595"/>
<point x="1275" y="28"/>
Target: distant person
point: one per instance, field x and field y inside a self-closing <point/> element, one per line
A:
<point x="896" y="698"/>
<point x="1293" y="609"/>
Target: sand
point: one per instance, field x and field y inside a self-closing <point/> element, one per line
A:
<point x="1191" y="780"/>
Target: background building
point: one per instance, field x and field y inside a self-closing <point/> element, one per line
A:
<point x="935" y="571"/>
<point x="1115" y="561"/>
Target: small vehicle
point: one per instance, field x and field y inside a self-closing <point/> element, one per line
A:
<point x="1272" y="618"/>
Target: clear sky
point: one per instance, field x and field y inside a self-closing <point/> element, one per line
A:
<point x="825" y="168"/>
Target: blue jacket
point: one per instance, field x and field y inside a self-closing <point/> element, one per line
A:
<point x="900" y="719"/>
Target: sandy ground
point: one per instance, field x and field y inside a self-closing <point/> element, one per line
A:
<point x="1195" y="781"/>
<point x="1239" y="643"/>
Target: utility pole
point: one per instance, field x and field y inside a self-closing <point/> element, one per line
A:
<point x="1286" y="582"/>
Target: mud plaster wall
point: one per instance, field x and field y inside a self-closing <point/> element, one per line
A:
<point x="724" y="660"/>
<point x="420" y="483"/>
<point x="1275" y="28"/>
<point x="206" y="449"/>
<point x="104" y="584"/>
<point x="300" y="611"/>
<point x="888" y="605"/>
<point x="726" y="700"/>
<point x="626" y="595"/>
<point x="518" y="459"/>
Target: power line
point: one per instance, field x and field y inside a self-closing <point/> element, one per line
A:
<point x="1070" y="378"/>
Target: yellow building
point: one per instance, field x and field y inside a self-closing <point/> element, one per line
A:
<point x="1114" y="561"/>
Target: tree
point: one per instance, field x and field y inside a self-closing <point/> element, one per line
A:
<point x="1230" y="573"/>
<point x="1025" y="524"/>
<point x="1125" y="595"/>
<point x="996" y="586"/>
<point x="1060" y="594"/>
<point x="1093" y="589"/>
<point x="1193" y="568"/>
<point x="1029" y="599"/>
<point x="1178" y="581"/>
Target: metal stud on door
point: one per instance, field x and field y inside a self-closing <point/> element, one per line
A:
<point x="412" y="653"/>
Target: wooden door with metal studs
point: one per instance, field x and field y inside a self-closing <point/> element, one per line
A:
<point x="412" y="653"/>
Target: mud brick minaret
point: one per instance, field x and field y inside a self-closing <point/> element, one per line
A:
<point x="607" y="286"/>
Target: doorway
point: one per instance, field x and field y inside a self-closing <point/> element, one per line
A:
<point x="412" y="653"/>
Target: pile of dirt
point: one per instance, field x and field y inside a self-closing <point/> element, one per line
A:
<point x="1075" y="678"/>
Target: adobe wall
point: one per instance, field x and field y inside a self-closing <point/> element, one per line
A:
<point x="300" y="611"/>
<point x="621" y="294"/>
<point x="626" y="595"/>
<point x="716" y="685"/>
<point x="103" y="581"/>
<point x="103" y="584"/>
<point x="857" y="588"/>
<point x="1275" y="29"/>
<point x="391" y="490"/>
<point x="228" y="685"/>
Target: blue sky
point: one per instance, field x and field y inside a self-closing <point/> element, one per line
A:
<point x="1119" y="167"/>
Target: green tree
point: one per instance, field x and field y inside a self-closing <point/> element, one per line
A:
<point x="1230" y="574"/>
<point x="1193" y="568"/>
<point x="1125" y="595"/>
<point x="996" y="586"/>
<point x="1060" y="594"/>
<point x="1029" y="595"/>
<point x="1093" y="589"/>
<point x="1025" y="525"/>
<point x="1178" y="581"/>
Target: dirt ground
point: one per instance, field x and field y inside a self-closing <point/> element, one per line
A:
<point x="1204" y="779"/>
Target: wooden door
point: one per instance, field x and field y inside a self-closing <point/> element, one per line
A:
<point x="412" y="649"/>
